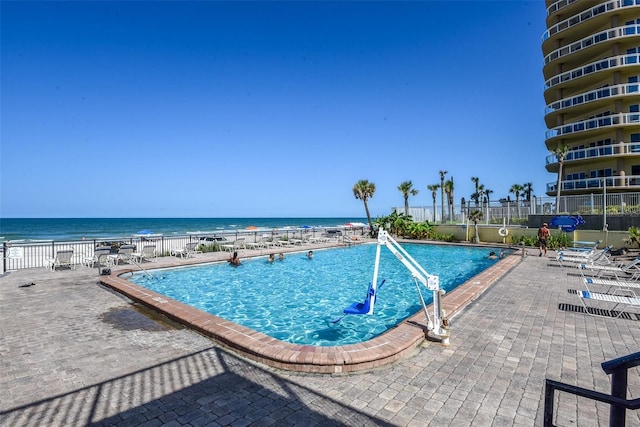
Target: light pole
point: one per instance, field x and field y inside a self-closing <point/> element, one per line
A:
<point x="604" y="204"/>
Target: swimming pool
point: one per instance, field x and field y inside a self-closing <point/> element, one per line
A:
<point x="295" y="300"/>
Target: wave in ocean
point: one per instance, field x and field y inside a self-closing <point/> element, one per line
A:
<point x="32" y="229"/>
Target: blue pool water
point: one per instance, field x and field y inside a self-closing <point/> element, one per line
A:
<point x="295" y="300"/>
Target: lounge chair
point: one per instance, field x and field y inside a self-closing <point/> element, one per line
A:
<point x="629" y="271"/>
<point x="581" y="247"/>
<point x="148" y="252"/>
<point x="189" y="250"/>
<point x="100" y="257"/>
<point x="593" y="257"/>
<point x="63" y="258"/>
<point x="235" y="246"/>
<point x="125" y="254"/>
<point x="622" y="301"/>
<point x="284" y="242"/>
<point x="261" y="242"/>
<point x="613" y="286"/>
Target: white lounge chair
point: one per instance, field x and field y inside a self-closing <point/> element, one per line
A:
<point x="100" y="257"/>
<point x="622" y="301"/>
<point x="235" y="246"/>
<point x="148" y="252"/>
<point x="261" y="242"/>
<point x="592" y="257"/>
<point x="629" y="271"/>
<point x="581" y="247"/>
<point x="613" y="286"/>
<point x="125" y="254"/>
<point x="189" y="250"/>
<point x="63" y="258"/>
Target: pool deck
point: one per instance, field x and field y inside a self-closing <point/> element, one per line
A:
<point x="75" y="353"/>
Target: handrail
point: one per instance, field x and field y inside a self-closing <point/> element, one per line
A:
<point x="617" y="368"/>
<point x="624" y="362"/>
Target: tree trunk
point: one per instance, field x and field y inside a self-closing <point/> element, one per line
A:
<point x="366" y="208"/>
<point x="434" y="209"/>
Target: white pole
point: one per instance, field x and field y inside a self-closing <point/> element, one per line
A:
<point x="604" y="204"/>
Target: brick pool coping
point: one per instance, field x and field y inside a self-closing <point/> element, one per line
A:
<point x="397" y="343"/>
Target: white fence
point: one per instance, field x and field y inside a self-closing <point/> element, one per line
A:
<point x="20" y="255"/>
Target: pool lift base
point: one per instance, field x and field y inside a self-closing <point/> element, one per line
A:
<point x="438" y="326"/>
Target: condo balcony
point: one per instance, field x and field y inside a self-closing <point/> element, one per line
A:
<point x="597" y="185"/>
<point x="585" y="16"/>
<point x="613" y="62"/>
<point x="609" y="36"/>
<point x="560" y="4"/>
<point x="619" y="149"/>
<point x="594" y="95"/>
<point x="620" y="119"/>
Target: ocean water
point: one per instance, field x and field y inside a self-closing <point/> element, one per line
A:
<point x="33" y="229"/>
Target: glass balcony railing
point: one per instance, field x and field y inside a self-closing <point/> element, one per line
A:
<point x="595" y="123"/>
<point x="619" y="149"/>
<point x="614" y="33"/>
<point x="594" y="95"/>
<point x="561" y="4"/>
<point x="594" y="67"/>
<point x="586" y="15"/>
<point x="596" y="184"/>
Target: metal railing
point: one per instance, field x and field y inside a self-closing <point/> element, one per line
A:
<point x="618" y="119"/>
<point x="20" y="255"/>
<point x="593" y="95"/>
<point x="598" y="184"/>
<point x="583" y="16"/>
<point x="618" y="369"/>
<point x="594" y="67"/>
<point x="592" y="40"/>
<point x="619" y="149"/>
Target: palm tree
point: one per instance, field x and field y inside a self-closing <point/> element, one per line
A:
<point x="364" y="190"/>
<point x="475" y="217"/>
<point x="434" y="192"/>
<point x="528" y="189"/>
<point x="448" y="188"/>
<point x="517" y="190"/>
<point x="560" y="152"/>
<point x="442" y="174"/>
<point x="487" y="194"/>
<point x="406" y="188"/>
<point x="476" y="196"/>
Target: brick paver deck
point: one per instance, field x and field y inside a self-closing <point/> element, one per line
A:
<point x="74" y="352"/>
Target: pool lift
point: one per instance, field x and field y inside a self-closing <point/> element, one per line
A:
<point x="438" y="327"/>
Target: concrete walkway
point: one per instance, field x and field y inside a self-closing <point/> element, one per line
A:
<point x="74" y="353"/>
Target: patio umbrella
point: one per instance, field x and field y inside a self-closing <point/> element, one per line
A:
<point x="306" y="226"/>
<point x="144" y="232"/>
<point x="252" y="227"/>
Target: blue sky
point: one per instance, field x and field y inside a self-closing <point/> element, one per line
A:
<point x="265" y="109"/>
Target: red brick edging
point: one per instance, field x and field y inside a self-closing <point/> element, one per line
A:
<point x="394" y="344"/>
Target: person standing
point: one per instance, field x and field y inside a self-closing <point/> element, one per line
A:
<point x="543" y="235"/>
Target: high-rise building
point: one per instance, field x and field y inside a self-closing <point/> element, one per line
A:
<point x="592" y="79"/>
